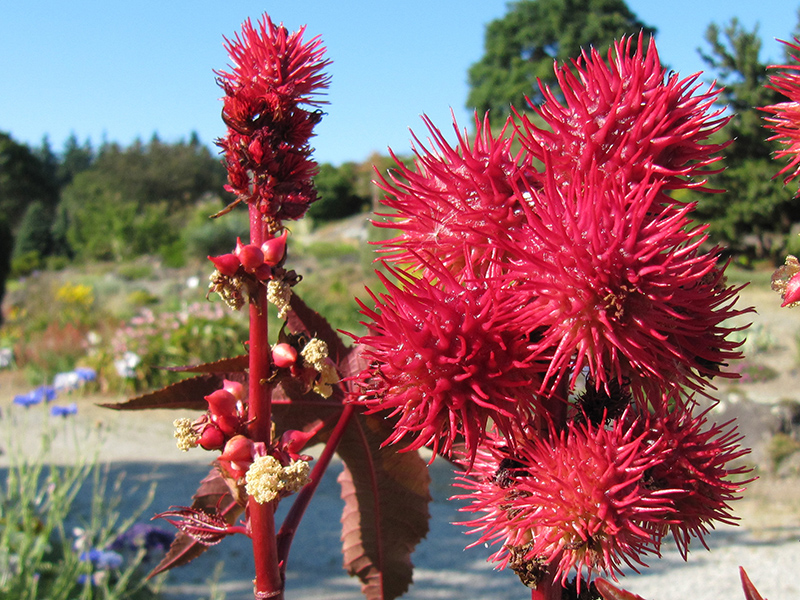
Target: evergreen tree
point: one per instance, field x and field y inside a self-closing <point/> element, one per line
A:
<point x="756" y="212"/>
<point x="33" y="235"/>
<point x="6" y="247"/>
<point x="521" y="47"/>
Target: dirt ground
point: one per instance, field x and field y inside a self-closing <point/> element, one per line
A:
<point x="767" y="541"/>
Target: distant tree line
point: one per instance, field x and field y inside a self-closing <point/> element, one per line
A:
<point x="114" y="202"/>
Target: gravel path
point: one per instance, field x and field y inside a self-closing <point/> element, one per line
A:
<point x="767" y="542"/>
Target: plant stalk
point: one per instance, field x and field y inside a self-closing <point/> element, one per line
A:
<point x="298" y="509"/>
<point x="261" y="517"/>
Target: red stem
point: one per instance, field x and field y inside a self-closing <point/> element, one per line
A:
<point x="261" y="517"/>
<point x="556" y="407"/>
<point x="298" y="509"/>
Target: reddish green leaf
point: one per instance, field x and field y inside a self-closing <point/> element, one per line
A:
<point x="188" y="393"/>
<point x="236" y="364"/>
<point x="386" y="508"/>
<point x="303" y="319"/>
<point x="212" y="497"/>
<point x="750" y="591"/>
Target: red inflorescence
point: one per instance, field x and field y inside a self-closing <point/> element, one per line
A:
<point x="266" y="148"/>
<point x="526" y="275"/>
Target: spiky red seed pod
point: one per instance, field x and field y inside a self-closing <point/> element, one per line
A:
<point x="284" y="355"/>
<point x="618" y="284"/>
<point x="700" y="464"/>
<point x="576" y="502"/>
<point x="446" y="360"/>
<point x="227" y="264"/>
<point x="456" y="200"/>
<point x="626" y="118"/>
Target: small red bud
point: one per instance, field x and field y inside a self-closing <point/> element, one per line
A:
<point x="275" y="249"/>
<point x="251" y="257"/>
<point x="238" y="449"/>
<point x="221" y="402"/>
<point x="228" y="424"/>
<point x="283" y="355"/>
<point x="212" y="438"/>
<point x="792" y="290"/>
<point x="263" y="273"/>
<point x="256" y="150"/>
<point x="227" y="264"/>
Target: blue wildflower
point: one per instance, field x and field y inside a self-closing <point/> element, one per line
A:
<point x="154" y="540"/>
<point x="64" y="411"/>
<point x="102" y="559"/>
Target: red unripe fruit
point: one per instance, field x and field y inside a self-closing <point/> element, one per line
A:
<point x="238" y="449"/>
<point x="234" y="387"/>
<point x="264" y="272"/>
<point x="227" y="264"/>
<point x="284" y="355"/>
<point x="221" y="402"/>
<point x="228" y="424"/>
<point x="212" y="438"/>
<point x="251" y="257"/>
<point x="792" y="290"/>
<point x="275" y="249"/>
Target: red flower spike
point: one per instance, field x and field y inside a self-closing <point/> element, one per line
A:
<point x="578" y="503"/>
<point x="785" y="119"/>
<point x="275" y="249"/>
<point x="250" y="256"/>
<point x="227" y="264"/>
<point x="446" y="360"/>
<point x="284" y="355"/>
<point x="266" y="148"/>
<point x="621" y="118"/>
<point x="221" y="403"/>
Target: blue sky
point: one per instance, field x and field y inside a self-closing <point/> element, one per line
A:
<point x="117" y="70"/>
